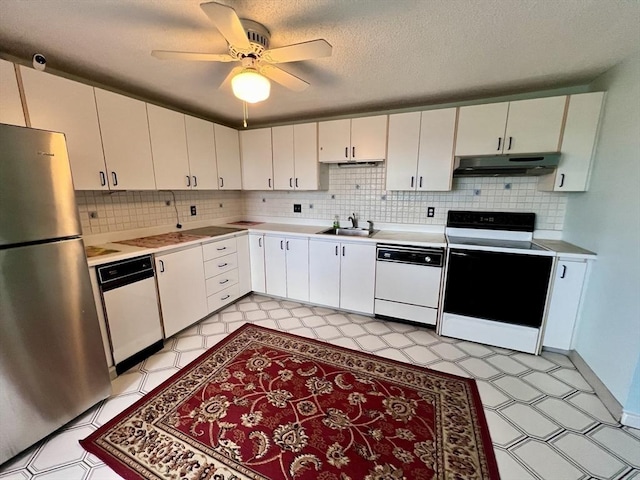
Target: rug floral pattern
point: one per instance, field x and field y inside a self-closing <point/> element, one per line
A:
<point x="269" y="405"/>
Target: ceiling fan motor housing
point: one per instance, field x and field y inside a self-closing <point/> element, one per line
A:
<point x="258" y="37"/>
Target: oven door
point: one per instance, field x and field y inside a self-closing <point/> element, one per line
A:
<point x="502" y="287"/>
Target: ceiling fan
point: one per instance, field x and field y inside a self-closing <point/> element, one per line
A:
<point x="249" y="44"/>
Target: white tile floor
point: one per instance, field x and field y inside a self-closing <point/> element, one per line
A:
<point x="545" y="421"/>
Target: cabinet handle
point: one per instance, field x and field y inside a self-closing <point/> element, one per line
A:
<point x="287" y="244"/>
<point x="225" y="297"/>
<point x="336" y="250"/>
<point x="499" y="143"/>
<point x="343" y="250"/>
<point x="269" y="183"/>
<point x="221" y="182"/>
<point x="195" y="181"/>
<point x="222" y="265"/>
<point x="161" y="266"/>
<point x="346" y="152"/>
<point x="220" y="249"/>
<point x="260" y="242"/>
<point x="103" y="179"/>
<point x="188" y="181"/>
<point x="223" y="281"/>
<point x="281" y="245"/>
<point x="561" y="180"/>
<point x="291" y="182"/>
<point x="296" y="182"/>
<point x="114" y="176"/>
<point x="510" y="140"/>
<point x="353" y="152"/>
<point x="564" y="271"/>
<point x="420" y="184"/>
<point x="412" y="178"/>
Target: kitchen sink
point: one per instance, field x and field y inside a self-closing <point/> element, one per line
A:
<point x="352" y="232"/>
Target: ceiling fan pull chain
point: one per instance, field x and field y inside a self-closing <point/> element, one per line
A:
<point x="245" y="113"/>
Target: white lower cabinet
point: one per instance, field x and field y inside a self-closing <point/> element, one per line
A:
<point x="181" y="285"/>
<point x="244" y="265"/>
<point x="286" y="263"/>
<point x="221" y="272"/>
<point x="342" y="275"/>
<point x="256" y="255"/>
<point x="565" y="302"/>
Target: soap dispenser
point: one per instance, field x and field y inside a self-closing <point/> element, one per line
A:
<point x="336" y="222"/>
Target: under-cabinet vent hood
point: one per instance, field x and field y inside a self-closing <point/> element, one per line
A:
<point x="506" y="165"/>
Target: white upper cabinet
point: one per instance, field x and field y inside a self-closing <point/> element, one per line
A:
<point x="420" y="150"/>
<point x="228" y="158"/>
<point x="524" y="126"/>
<point x="353" y="140"/>
<point x="201" y="147"/>
<point x="125" y="140"/>
<point x="578" y="145"/>
<point x="257" y="163"/>
<point x="169" y="148"/>
<point x="62" y="105"/>
<point x="295" y="158"/>
<point x="10" y="103"/>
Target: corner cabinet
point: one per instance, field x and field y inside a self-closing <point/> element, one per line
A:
<point x="125" y="140"/>
<point x="342" y="274"/>
<point x="578" y="145"/>
<point x="62" y="105"/>
<point x="420" y="150"/>
<point x="228" y="158"/>
<point x="353" y="140"/>
<point x="257" y="161"/>
<point x="524" y="126"/>
<point x="10" y="103"/>
<point x="564" y="304"/>
<point x="256" y="255"/>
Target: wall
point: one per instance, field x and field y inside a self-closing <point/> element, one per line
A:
<point x="361" y="190"/>
<point x="606" y="219"/>
<point x="119" y="211"/>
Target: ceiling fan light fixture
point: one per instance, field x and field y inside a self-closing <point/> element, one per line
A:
<point x="251" y="87"/>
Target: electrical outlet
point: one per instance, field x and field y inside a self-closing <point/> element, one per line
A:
<point x="167" y="203"/>
<point x="93" y="214"/>
<point x="193" y="210"/>
<point x="431" y="212"/>
<point x="297" y="208"/>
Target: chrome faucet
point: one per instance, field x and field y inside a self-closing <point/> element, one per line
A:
<point x="370" y="225"/>
<point x="354" y="220"/>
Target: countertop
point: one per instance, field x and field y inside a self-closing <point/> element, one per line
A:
<point x="565" y="249"/>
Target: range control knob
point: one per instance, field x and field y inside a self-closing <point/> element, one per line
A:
<point x="427" y="259"/>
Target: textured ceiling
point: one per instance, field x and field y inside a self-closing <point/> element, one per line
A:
<point x="386" y="54"/>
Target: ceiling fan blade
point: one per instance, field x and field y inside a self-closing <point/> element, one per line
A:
<point x="227" y="22"/>
<point x="299" y="51"/>
<point x="283" y="78"/>
<point x="199" y="57"/>
<point x="227" y="81"/>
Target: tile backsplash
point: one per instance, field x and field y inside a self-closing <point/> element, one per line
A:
<point x="356" y="189"/>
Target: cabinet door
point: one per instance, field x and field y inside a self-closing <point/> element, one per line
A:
<point x="10" y="103"/>
<point x="565" y="300"/>
<point x="305" y="154"/>
<point x="283" y="154"/>
<point x="201" y="147"/>
<point x="181" y="286"/>
<point x="228" y="158"/>
<point x="481" y="129"/>
<point x="324" y="273"/>
<point x="62" y="105"/>
<point x="257" y="163"/>
<point x="125" y="140"/>
<point x="244" y="264"/>
<point x="297" y="253"/>
<point x="534" y="126"/>
<point x="256" y="252"/>
<point x="357" y="277"/>
<point x="168" y="148"/>
<point x="275" y="266"/>
<point x="435" y="159"/>
<point x="334" y="141"/>
<point x="369" y="138"/>
<point x="402" y="156"/>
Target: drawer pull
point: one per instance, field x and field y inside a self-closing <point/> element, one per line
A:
<point x="223" y="265"/>
<point x="220" y="249"/>
<point x="225" y="297"/>
<point x="223" y="281"/>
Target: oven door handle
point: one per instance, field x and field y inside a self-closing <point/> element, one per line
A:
<point x="460" y="254"/>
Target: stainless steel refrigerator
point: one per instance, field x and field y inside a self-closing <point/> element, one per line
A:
<point x="52" y="362"/>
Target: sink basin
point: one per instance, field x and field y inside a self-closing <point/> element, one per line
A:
<point x="352" y="232"/>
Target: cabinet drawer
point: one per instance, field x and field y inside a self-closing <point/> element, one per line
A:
<point x="218" y="249"/>
<point x="220" y="265"/>
<point x="222" y="298"/>
<point x="220" y="282"/>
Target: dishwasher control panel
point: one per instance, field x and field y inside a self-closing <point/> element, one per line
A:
<point x="418" y="256"/>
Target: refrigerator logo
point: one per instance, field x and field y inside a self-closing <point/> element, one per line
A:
<point x="47" y="154"/>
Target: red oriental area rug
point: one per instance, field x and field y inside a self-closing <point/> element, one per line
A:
<point x="269" y="405"/>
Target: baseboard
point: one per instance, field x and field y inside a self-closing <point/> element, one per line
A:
<point x="601" y="390"/>
<point x="630" y="419"/>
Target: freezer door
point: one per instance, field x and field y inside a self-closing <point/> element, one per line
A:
<point x="52" y="363"/>
<point x="37" y="201"/>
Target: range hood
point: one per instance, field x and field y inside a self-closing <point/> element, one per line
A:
<point x="506" y="165"/>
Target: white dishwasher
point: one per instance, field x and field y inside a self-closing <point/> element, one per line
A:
<point x="130" y="301"/>
<point x="408" y="283"/>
